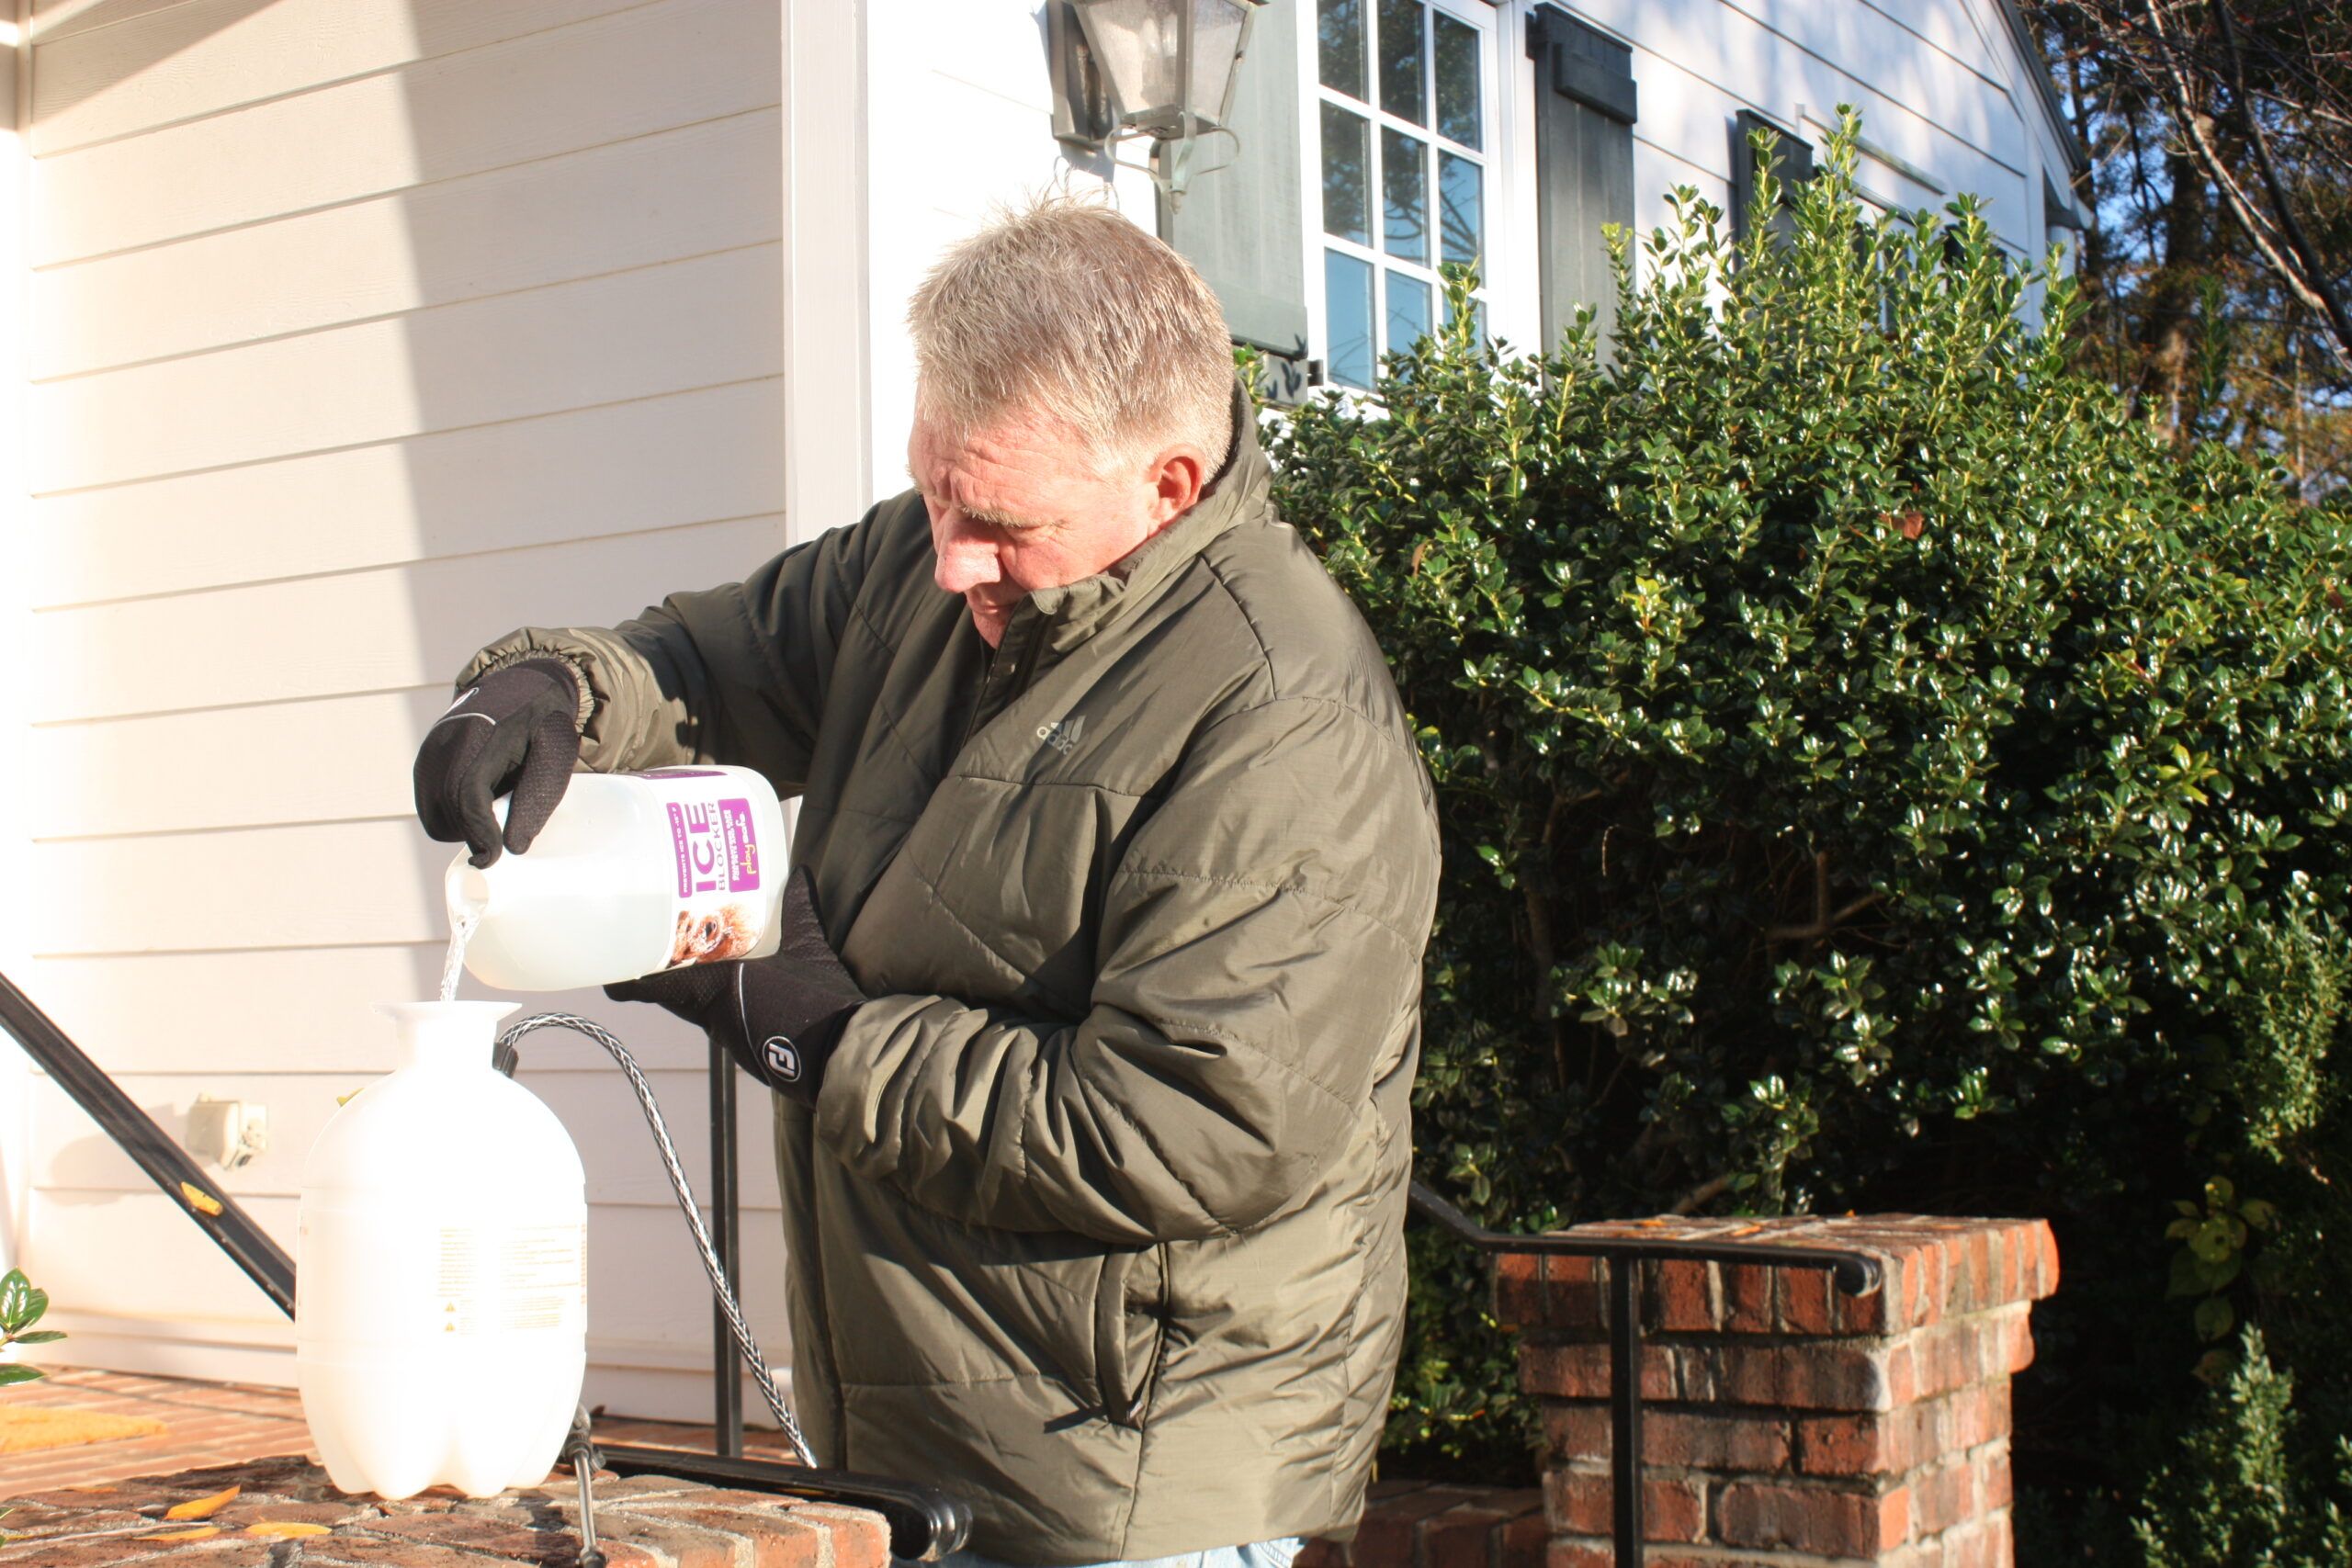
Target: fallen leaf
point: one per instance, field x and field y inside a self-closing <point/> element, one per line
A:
<point x="200" y="1200"/>
<point x="202" y="1508"/>
<point x="284" y="1529"/>
<point x="201" y="1532"/>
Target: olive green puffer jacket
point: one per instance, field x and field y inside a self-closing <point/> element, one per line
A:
<point x="1097" y="1219"/>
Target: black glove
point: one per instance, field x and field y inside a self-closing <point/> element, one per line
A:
<point x="779" y="1016"/>
<point x="516" y="729"/>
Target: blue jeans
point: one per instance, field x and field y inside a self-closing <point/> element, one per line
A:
<point x="1264" y="1554"/>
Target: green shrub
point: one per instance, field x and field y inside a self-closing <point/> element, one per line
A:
<point x="2233" y="1499"/>
<point x="1876" y="774"/>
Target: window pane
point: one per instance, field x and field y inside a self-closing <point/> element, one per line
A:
<point x="1408" y="312"/>
<point x="1347" y="175"/>
<point x="1457" y="80"/>
<point x="1401" y="60"/>
<point x="1405" y="195"/>
<point x="1338" y="46"/>
<point x="1461" y="215"/>
<point x="1347" y="307"/>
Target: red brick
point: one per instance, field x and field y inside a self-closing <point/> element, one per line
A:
<point x="1321" y="1554"/>
<point x="1582" y="1501"/>
<point x="364" y="1551"/>
<point x="1747" y="1298"/>
<point x="1806" y="1519"/>
<point x="1521" y="1543"/>
<point x="1684" y="1438"/>
<point x="1385" y="1538"/>
<point x="1566" y="1552"/>
<point x="1890" y="1442"/>
<point x="1581" y="1372"/>
<point x="777" y="1539"/>
<point x="1576" y="1294"/>
<point x="1680" y="1297"/>
<point x="1518" y="1289"/>
<point x="1462" y="1537"/>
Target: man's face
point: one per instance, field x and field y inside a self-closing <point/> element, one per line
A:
<point x="1022" y="507"/>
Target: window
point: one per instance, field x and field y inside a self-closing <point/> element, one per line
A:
<point x="1405" y="122"/>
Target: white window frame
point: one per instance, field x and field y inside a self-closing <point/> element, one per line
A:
<point x="1508" y="157"/>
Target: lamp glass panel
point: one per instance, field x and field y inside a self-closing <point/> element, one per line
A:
<point x="1217" y="40"/>
<point x="1139" y="44"/>
<point x="1405" y="195"/>
<point x="1347" y="308"/>
<point x="1339" y="47"/>
<point x="1401" y="60"/>
<point x="1409" y="310"/>
<point x="1461" y="208"/>
<point x="1457" y="48"/>
<point x="1347" y="175"/>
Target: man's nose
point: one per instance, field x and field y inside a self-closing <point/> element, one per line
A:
<point x="966" y="555"/>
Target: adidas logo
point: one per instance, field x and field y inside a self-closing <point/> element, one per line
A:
<point x="1062" y="735"/>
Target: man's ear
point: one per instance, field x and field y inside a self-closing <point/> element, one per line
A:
<point x="1177" y="477"/>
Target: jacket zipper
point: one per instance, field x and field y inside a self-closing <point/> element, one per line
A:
<point x="1005" y="683"/>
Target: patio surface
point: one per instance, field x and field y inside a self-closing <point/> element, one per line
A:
<point x="216" y="1423"/>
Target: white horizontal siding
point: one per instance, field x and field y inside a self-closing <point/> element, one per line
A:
<point x="630" y="334"/>
<point x="651" y="68"/>
<point x="702" y="187"/>
<point x="705" y="455"/>
<point x="366" y="329"/>
<point x="145" y="67"/>
<point x="365" y="631"/>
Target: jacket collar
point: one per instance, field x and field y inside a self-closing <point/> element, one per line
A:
<point x="1237" y="494"/>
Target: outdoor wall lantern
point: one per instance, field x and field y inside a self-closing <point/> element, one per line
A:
<point x="1162" y="68"/>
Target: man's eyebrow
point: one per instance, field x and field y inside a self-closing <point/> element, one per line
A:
<point x="990" y="515"/>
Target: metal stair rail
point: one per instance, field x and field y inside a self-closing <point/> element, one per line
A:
<point x="1855" y="1273"/>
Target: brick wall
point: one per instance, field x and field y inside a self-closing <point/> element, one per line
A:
<point x="1781" y="1418"/>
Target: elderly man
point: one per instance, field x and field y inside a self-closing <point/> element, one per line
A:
<point x="1095" y="1022"/>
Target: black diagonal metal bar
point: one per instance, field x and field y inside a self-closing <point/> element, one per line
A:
<point x="135" y="1132"/>
<point x="1856" y="1273"/>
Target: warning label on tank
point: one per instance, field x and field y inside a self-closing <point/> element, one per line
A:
<point x="496" y="1282"/>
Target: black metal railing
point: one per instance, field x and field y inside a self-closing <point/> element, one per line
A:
<point x="1855" y="1274"/>
<point x="924" y="1522"/>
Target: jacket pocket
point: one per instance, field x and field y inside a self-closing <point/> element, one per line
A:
<point x="1130" y="1332"/>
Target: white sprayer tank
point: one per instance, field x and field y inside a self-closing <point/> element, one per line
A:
<point x="633" y="874"/>
<point x="440" y="1323"/>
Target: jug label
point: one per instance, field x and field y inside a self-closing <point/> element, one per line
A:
<point x="718" y="850"/>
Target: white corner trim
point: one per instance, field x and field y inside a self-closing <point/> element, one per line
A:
<point x="828" y="389"/>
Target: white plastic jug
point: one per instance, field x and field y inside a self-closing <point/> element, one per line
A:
<point x="441" y="1310"/>
<point x="633" y="874"/>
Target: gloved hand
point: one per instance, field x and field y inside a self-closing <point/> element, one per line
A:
<point x="780" y="1016"/>
<point x="516" y="729"/>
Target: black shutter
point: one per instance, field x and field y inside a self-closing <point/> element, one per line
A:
<point x="1242" y="226"/>
<point x="1585" y="109"/>
<point x="1793" y="164"/>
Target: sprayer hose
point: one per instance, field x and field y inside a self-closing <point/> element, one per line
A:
<point x="506" y="1059"/>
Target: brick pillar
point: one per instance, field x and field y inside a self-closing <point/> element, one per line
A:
<point x="1781" y="1418"/>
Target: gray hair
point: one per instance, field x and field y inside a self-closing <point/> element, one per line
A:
<point x="1069" y="311"/>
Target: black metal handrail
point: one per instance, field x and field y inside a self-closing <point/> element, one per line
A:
<point x="1855" y="1274"/>
<point x="924" y="1522"/>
